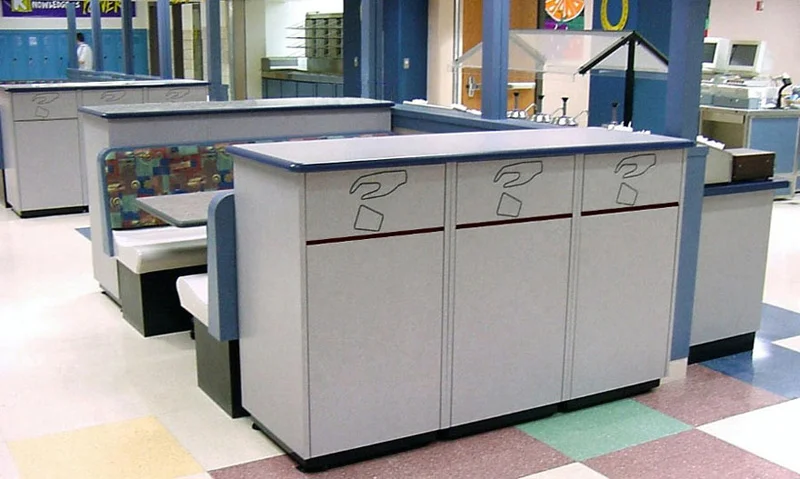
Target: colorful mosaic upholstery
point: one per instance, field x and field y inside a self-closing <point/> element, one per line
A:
<point x="168" y="170"/>
<point x="156" y="171"/>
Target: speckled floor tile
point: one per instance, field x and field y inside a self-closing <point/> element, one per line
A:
<point x="135" y="449"/>
<point x="603" y="429"/>
<point x="772" y="433"/>
<point x="706" y="396"/>
<point x="576" y="470"/>
<point x="767" y="366"/>
<point x="688" y="455"/>
<point x="503" y="454"/>
<point x="778" y="323"/>
<point x="792" y="343"/>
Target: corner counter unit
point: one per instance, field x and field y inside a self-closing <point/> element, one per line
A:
<point x="41" y="136"/>
<point x="764" y="129"/>
<point x="394" y="290"/>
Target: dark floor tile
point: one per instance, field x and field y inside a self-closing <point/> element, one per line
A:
<point x="706" y="396"/>
<point x="504" y="454"/>
<point x="688" y="455"/>
<point x="768" y="366"/>
<point x="778" y="323"/>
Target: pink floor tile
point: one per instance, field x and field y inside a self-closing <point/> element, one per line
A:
<point x="706" y="396"/>
<point x="691" y="454"/>
<point x="503" y="454"/>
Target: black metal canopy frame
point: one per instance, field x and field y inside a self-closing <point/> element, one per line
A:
<point x="631" y="40"/>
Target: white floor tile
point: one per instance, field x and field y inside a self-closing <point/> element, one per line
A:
<point x="790" y="343"/>
<point x="783" y="262"/>
<point x="571" y="471"/>
<point x="214" y="439"/>
<point x="204" y="475"/>
<point x="7" y="468"/>
<point x="772" y="433"/>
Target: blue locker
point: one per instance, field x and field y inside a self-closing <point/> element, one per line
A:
<point x="20" y="60"/>
<point x="5" y="57"/>
<point x="140" y="63"/>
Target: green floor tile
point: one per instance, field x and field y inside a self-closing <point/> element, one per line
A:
<point x="603" y="429"/>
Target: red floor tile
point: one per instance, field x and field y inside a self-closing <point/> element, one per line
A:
<point x="504" y="454"/>
<point x="706" y="396"/>
<point x="688" y="455"/>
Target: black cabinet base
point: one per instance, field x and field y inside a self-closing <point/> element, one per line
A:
<point x="498" y="422"/>
<point x="329" y="461"/>
<point x="150" y="301"/>
<point x="71" y="210"/>
<point x="608" y="396"/>
<point x="721" y="348"/>
<point x="218" y="372"/>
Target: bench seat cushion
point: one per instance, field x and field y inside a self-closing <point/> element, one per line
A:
<point x="193" y="293"/>
<point x="162" y="248"/>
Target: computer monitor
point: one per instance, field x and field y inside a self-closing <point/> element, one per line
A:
<point x="715" y="54"/>
<point x="747" y="57"/>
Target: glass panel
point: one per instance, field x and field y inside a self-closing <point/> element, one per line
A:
<point x="565" y="52"/>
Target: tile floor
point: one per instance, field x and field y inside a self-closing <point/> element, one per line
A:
<point x="82" y="395"/>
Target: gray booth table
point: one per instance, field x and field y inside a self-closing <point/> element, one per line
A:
<point x="395" y="290"/>
<point x="183" y="211"/>
<point x="41" y="134"/>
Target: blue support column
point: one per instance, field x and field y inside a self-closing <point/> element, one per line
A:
<point x="685" y="67"/>
<point x="682" y="120"/>
<point x="494" y="74"/>
<point x="371" y="48"/>
<point x="97" y="36"/>
<point x="164" y="38"/>
<point x="127" y="36"/>
<point x="72" y="32"/>
<point x="217" y="91"/>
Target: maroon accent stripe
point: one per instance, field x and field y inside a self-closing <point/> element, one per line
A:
<point x="532" y="219"/>
<point x="345" y="239"/>
<point x="657" y="206"/>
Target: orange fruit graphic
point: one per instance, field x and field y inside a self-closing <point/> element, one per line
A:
<point x="564" y="10"/>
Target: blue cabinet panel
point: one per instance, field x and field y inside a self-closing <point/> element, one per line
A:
<point x="306" y="89"/>
<point x="326" y="90"/>
<point x="779" y="135"/>
<point x="288" y="89"/>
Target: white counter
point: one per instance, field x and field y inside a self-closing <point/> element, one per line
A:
<point x="393" y="288"/>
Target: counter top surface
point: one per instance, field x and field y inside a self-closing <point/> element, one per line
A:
<point x="97" y="85"/>
<point x="763" y="112"/>
<point x="410" y="150"/>
<point x="222" y="107"/>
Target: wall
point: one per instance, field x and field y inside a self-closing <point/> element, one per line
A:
<point x="256" y="17"/>
<point x="776" y="25"/>
<point x="281" y="14"/>
<point x="441" y="24"/>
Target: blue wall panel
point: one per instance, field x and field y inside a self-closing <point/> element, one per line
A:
<point x="43" y="55"/>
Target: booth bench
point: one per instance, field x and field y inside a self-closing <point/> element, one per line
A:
<point x="130" y="127"/>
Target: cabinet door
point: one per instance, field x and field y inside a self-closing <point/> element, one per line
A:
<point x="48" y="165"/>
<point x="510" y="315"/>
<point x="374" y="340"/>
<point x="625" y="298"/>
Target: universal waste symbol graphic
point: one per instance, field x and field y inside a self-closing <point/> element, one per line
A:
<point x="513" y="176"/>
<point x="372" y="186"/>
<point x="42" y="99"/>
<point x="632" y="167"/>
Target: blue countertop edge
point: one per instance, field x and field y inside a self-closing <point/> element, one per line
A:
<point x="102" y="85"/>
<point x="534" y="152"/>
<point x="744" y="187"/>
<point x="226" y="111"/>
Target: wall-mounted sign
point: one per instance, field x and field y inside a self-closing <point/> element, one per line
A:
<point x="564" y="14"/>
<point x="58" y="8"/>
<point x="618" y="23"/>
